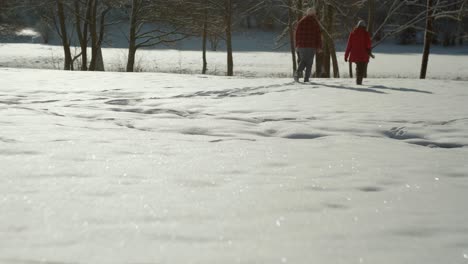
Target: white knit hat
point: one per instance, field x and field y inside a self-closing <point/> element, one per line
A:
<point x="311" y="11"/>
<point x="361" y="23"/>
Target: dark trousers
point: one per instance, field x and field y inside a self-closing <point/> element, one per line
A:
<point x="307" y="56"/>
<point x="298" y="55"/>
<point x="360" y="71"/>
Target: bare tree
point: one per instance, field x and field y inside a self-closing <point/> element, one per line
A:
<point x="168" y="30"/>
<point x="371" y="16"/>
<point x="371" y="10"/>
<point x="326" y="12"/>
<point x="81" y="23"/>
<point x="92" y="7"/>
<point x="3" y="9"/>
<point x="7" y="10"/>
<point x="329" y="49"/>
<point x="206" y="21"/>
<point x="288" y="21"/>
<point x="428" y="37"/>
<point x="64" y="35"/>
<point x="461" y="16"/>
<point x="292" y="21"/>
<point x="97" y="31"/>
<point x="228" y="14"/>
<point x="232" y="12"/>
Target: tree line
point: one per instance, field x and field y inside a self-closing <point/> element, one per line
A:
<point x="153" y="22"/>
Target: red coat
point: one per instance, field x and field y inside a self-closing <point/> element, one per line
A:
<point x="359" y="46"/>
<point x="308" y="34"/>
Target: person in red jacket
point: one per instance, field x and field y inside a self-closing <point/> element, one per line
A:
<point x="358" y="50"/>
<point x="308" y="39"/>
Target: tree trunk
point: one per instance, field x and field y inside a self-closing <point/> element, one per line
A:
<point x="299" y="14"/>
<point x="328" y="18"/>
<point x="291" y="35"/>
<point x="461" y="28"/>
<point x="82" y="37"/>
<point x="371" y="17"/>
<point x="228" y="22"/>
<point x="248" y="22"/>
<point x="370" y="24"/>
<point x="319" y="56"/>
<point x="131" y="58"/>
<point x="100" y="59"/>
<point x="331" y="43"/>
<point x="299" y="7"/>
<point x="336" y="68"/>
<point x="427" y="39"/>
<point x="326" y="60"/>
<point x="94" y="35"/>
<point x="84" y="55"/>
<point x="204" y="40"/>
<point x="132" y="47"/>
<point x="64" y="36"/>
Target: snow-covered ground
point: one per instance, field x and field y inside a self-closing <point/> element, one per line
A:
<point x="392" y="61"/>
<point x="164" y="168"/>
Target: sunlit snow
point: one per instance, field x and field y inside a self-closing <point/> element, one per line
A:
<point x="165" y="168"/>
<point x="28" y="32"/>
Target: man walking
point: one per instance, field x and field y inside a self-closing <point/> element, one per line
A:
<point x="308" y="41"/>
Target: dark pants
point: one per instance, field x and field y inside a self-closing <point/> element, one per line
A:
<point x="360" y="71"/>
<point x="365" y="70"/>
<point x="307" y="60"/>
<point x="300" y="74"/>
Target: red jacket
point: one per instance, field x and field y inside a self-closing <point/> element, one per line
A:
<point x="359" y="46"/>
<point x="308" y="34"/>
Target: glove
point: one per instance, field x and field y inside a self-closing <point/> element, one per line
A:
<point x="345" y="59"/>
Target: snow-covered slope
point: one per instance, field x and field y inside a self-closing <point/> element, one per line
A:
<point x="161" y="168"/>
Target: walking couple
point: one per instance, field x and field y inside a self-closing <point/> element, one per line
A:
<point x="308" y="37"/>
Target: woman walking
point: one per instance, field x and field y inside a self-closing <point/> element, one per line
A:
<point x="359" y="50"/>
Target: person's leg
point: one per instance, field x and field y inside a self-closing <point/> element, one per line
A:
<point x="360" y="66"/>
<point x="365" y="70"/>
<point x="357" y="72"/>
<point x="309" y="64"/>
<point x="300" y="75"/>
<point x="302" y="64"/>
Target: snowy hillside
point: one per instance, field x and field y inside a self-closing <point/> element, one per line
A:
<point x="163" y="168"/>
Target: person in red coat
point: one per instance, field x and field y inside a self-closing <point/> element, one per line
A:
<point x="358" y="50"/>
<point x="308" y="37"/>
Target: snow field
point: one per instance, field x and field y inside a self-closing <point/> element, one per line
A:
<point x="168" y="168"/>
